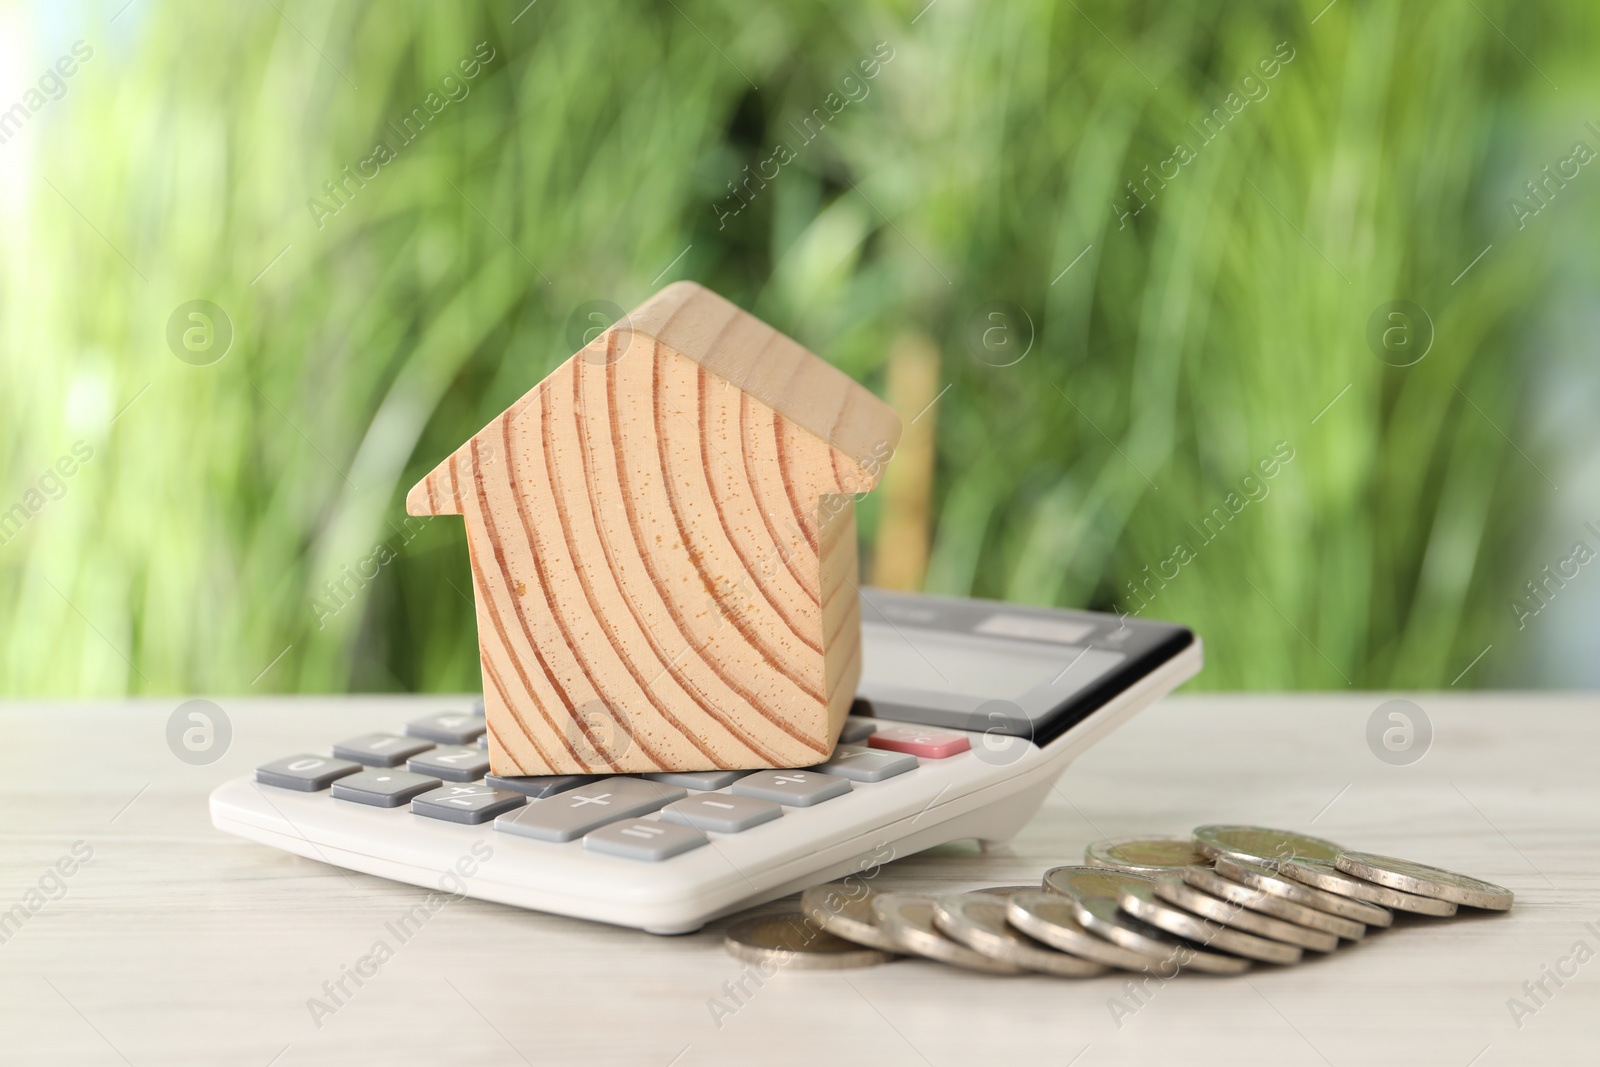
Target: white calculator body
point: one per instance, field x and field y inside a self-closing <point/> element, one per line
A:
<point x="967" y="713"/>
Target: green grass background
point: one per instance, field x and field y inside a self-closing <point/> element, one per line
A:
<point x="592" y="149"/>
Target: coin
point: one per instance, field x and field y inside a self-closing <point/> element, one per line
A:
<point x="1173" y="890"/>
<point x="1079" y="881"/>
<point x="1333" y="882"/>
<point x="1259" y="877"/>
<point x="1140" y="901"/>
<point x="845" y="910"/>
<point x="1274" y="905"/>
<point x="978" y="920"/>
<point x="1052" y="918"/>
<point x="1423" y="880"/>
<point x="1102" y="916"/>
<point x="1144" y="855"/>
<point x="908" y="920"/>
<point x="1093" y="892"/>
<point x="790" y="941"/>
<point x="1261" y="844"/>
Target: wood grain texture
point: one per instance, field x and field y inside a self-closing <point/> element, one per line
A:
<point x="182" y="946"/>
<point x="663" y="547"/>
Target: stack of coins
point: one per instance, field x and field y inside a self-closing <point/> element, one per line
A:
<point x="1217" y="902"/>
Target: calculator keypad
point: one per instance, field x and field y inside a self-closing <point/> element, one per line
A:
<point x="453" y="763"/>
<point x="795" y="789"/>
<point x="380" y="750"/>
<point x="470" y="804"/>
<point x="644" y="839"/>
<point x="723" y="812"/>
<point x="570" y="815"/>
<point x="540" y="785"/>
<point x="697" y="779"/>
<point x="920" y="741"/>
<point x="446" y="777"/>
<point x="867" y="765"/>
<point x="306" y="773"/>
<point x="383" y="788"/>
<point x="448" y="728"/>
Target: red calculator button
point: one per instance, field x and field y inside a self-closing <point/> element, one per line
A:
<point x="929" y="744"/>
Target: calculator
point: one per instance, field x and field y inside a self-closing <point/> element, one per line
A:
<point x="966" y="714"/>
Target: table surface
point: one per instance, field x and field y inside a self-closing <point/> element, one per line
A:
<point x="178" y="944"/>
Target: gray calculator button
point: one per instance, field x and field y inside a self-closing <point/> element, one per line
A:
<point x="383" y="788"/>
<point x="477" y="708"/>
<point x="483" y="742"/>
<point x="796" y="789"/>
<point x="449" y="728"/>
<point x="865" y="764"/>
<point x="722" y="812"/>
<point x="856" y="730"/>
<point x="697" y="779"/>
<point x="380" y="750"/>
<point x="470" y="804"/>
<point x="453" y="763"/>
<point x="306" y="773"/>
<point x="539" y="785"/>
<point x="572" y="814"/>
<point x="644" y="839"/>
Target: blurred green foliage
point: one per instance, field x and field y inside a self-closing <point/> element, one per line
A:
<point x="988" y="159"/>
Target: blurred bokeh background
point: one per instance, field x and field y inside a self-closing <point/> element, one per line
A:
<point x="265" y="263"/>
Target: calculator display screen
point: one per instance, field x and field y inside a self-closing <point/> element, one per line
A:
<point x="1016" y="669"/>
<point x="968" y="665"/>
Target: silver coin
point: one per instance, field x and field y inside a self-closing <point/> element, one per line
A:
<point x="908" y="920"/>
<point x="1174" y="890"/>
<point x="1274" y="905"/>
<point x="978" y="920"/>
<point x="1144" y="855"/>
<point x="845" y="910"/>
<point x="1261" y="844"/>
<point x="1052" y="918"/>
<point x="1102" y="916"/>
<point x="1426" y="881"/>
<point x="1327" y="878"/>
<point x="1256" y="876"/>
<point x="1141" y="902"/>
<point x="789" y="941"/>
<point x="1093" y="892"/>
<point x="1080" y="881"/>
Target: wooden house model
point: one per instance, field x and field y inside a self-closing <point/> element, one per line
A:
<point x="663" y="545"/>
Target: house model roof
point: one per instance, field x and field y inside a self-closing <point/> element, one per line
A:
<point x="739" y="348"/>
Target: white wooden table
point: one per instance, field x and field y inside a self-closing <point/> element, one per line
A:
<point x="176" y="944"/>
